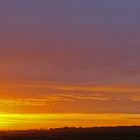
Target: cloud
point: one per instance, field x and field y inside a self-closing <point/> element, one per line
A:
<point x="52" y="98"/>
<point x="135" y="98"/>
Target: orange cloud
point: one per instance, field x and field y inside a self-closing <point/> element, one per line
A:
<point x="52" y="98"/>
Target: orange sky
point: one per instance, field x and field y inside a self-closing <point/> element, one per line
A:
<point x="67" y="105"/>
<point x="45" y="97"/>
<point x="69" y="63"/>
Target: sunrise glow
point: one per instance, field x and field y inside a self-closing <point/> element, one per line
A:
<point x="69" y="63"/>
<point x="45" y="121"/>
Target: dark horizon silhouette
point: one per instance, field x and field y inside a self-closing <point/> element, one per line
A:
<point x="67" y="133"/>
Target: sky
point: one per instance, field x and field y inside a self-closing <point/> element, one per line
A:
<point x="72" y="62"/>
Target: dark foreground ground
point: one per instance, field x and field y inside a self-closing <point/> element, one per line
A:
<point x="102" y="133"/>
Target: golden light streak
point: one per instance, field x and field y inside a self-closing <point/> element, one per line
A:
<point x="31" y="121"/>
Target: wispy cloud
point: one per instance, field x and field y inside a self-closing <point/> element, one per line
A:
<point x="52" y="98"/>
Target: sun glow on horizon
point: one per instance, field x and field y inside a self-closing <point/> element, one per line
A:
<point x="38" y="121"/>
